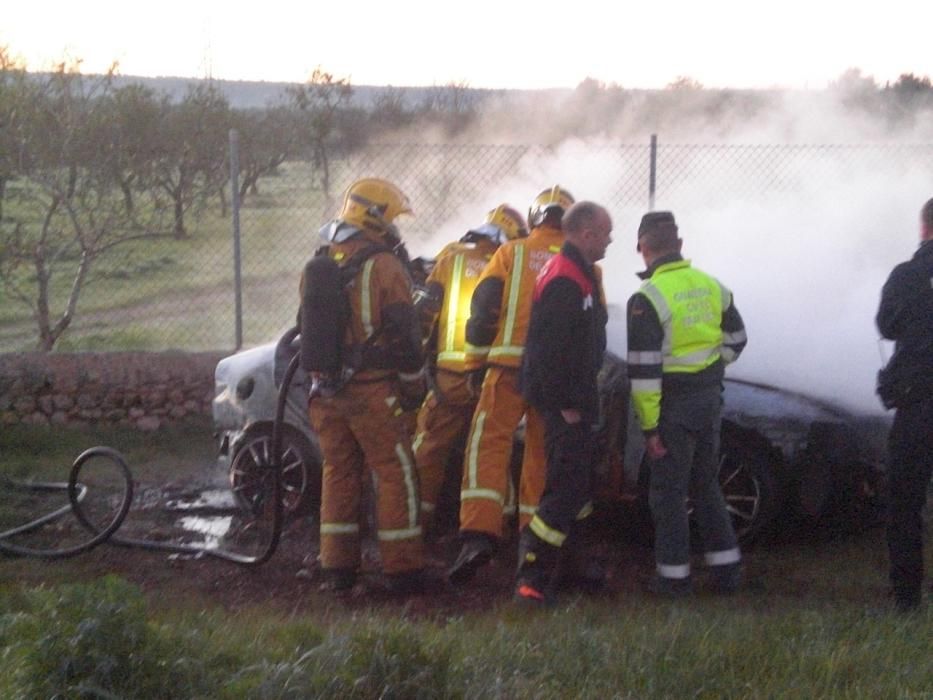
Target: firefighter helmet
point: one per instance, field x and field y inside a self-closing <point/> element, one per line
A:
<point x="549" y="199"/>
<point x="509" y="221"/>
<point x="373" y="204"/>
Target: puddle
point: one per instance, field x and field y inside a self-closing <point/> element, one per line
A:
<point x="208" y="500"/>
<point x="212" y="529"/>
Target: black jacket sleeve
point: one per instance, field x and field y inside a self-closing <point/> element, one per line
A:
<point x="483" y="324"/>
<point x="550" y="348"/>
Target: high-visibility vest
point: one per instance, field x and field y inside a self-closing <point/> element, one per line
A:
<point x="689" y="304"/>
<point x="457" y="270"/>
<point x="518" y="263"/>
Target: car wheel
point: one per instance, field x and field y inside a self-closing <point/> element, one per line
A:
<point x="250" y="472"/>
<point x="747" y="479"/>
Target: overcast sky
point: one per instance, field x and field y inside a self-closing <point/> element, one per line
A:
<point x="486" y="43"/>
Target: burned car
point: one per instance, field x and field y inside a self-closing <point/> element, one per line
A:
<point x="782" y="453"/>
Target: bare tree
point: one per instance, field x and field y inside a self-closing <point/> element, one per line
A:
<point x="66" y="207"/>
<point x="321" y="101"/>
<point x="191" y="149"/>
<point x="267" y="138"/>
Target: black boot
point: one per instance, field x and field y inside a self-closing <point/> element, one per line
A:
<point x="579" y="568"/>
<point x="475" y="553"/>
<point x="537" y="562"/>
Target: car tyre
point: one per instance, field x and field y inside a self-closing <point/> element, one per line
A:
<point x="250" y="472"/>
<point x="747" y="477"/>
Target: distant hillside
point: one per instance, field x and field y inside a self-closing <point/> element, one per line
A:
<point x="247" y="94"/>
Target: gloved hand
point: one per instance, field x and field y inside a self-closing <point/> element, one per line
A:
<point x="475" y="378"/>
<point x="411" y="392"/>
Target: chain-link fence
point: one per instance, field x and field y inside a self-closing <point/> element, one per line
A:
<point x="192" y="295"/>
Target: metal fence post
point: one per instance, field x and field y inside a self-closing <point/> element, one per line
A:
<point x="237" y="281"/>
<point x="652" y="170"/>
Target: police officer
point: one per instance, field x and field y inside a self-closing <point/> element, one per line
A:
<point x="906" y="317"/>
<point x="683" y="328"/>
<point x="444" y="308"/>
<point x="563" y="353"/>
<point x="499" y="313"/>
<point x="360" y="423"/>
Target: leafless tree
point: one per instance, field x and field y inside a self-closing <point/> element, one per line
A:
<point x="321" y="101"/>
<point x="190" y="153"/>
<point x="65" y="206"/>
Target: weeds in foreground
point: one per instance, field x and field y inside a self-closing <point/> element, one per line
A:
<point x="96" y="640"/>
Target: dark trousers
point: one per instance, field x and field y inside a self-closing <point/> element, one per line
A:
<point x="568" y="486"/>
<point x="690" y="428"/>
<point x="911" y="463"/>
<point x="565" y="501"/>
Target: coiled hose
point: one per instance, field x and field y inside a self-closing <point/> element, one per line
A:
<point x="77" y="493"/>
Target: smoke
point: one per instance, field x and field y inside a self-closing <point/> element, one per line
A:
<point x="805" y="240"/>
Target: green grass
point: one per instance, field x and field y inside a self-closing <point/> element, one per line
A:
<point x="813" y="622"/>
<point x="102" y="635"/>
<point x="179" y="294"/>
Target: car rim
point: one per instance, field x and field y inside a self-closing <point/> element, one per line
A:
<point x="742" y="493"/>
<point x="251" y="473"/>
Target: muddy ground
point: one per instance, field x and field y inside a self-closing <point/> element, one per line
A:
<point x="204" y="515"/>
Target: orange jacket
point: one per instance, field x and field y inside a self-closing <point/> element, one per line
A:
<point x="501" y="304"/>
<point x="452" y="281"/>
<point x="380" y="300"/>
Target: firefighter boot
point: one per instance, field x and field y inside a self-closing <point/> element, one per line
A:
<point x="579" y="567"/>
<point x="537" y="562"/>
<point x="475" y="553"/>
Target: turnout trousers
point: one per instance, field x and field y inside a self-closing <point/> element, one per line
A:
<point x="911" y="464"/>
<point x="565" y="502"/>
<point x="443" y="421"/>
<point x="363" y="427"/>
<point x="690" y="430"/>
<point x="487" y="485"/>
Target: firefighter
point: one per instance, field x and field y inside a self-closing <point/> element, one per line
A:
<point x="683" y="328"/>
<point x="444" y="308"/>
<point x="905" y="315"/>
<point x="499" y="313"/>
<point x="563" y="354"/>
<point x="358" y="416"/>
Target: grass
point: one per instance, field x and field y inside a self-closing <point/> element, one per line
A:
<point x="166" y="293"/>
<point x="813" y="623"/>
<point x="633" y="648"/>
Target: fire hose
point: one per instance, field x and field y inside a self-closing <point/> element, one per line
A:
<point x="100" y="533"/>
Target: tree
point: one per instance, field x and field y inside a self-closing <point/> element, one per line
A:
<point x="190" y="153"/>
<point x="453" y="104"/>
<point x="390" y="108"/>
<point x="66" y="208"/>
<point x="267" y="137"/>
<point x="321" y="101"/>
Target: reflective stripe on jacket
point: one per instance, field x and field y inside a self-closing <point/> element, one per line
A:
<point x="683" y="327"/>
<point x="456" y="274"/>
<point x="380" y="298"/>
<point x="501" y="305"/>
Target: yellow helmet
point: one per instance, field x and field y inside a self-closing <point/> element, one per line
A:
<point x="549" y="199"/>
<point x="373" y="204"/>
<point x="509" y="221"/>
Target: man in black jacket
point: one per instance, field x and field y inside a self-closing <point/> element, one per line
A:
<point x="906" y="317"/>
<point x="563" y="354"/>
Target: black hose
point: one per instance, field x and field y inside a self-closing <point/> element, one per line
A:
<point x="77" y="491"/>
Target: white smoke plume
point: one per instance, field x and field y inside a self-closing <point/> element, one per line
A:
<point x="806" y="259"/>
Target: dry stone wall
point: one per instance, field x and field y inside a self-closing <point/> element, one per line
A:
<point x="144" y="390"/>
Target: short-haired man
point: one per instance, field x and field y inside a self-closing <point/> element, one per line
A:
<point x="563" y="353"/>
<point x="683" y="328"/>
<point x="906" y="317"/>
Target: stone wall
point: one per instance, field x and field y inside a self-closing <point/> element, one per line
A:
<point x="144" y="390"/>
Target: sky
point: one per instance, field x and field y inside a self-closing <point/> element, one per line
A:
<point x="485" y="43"/>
